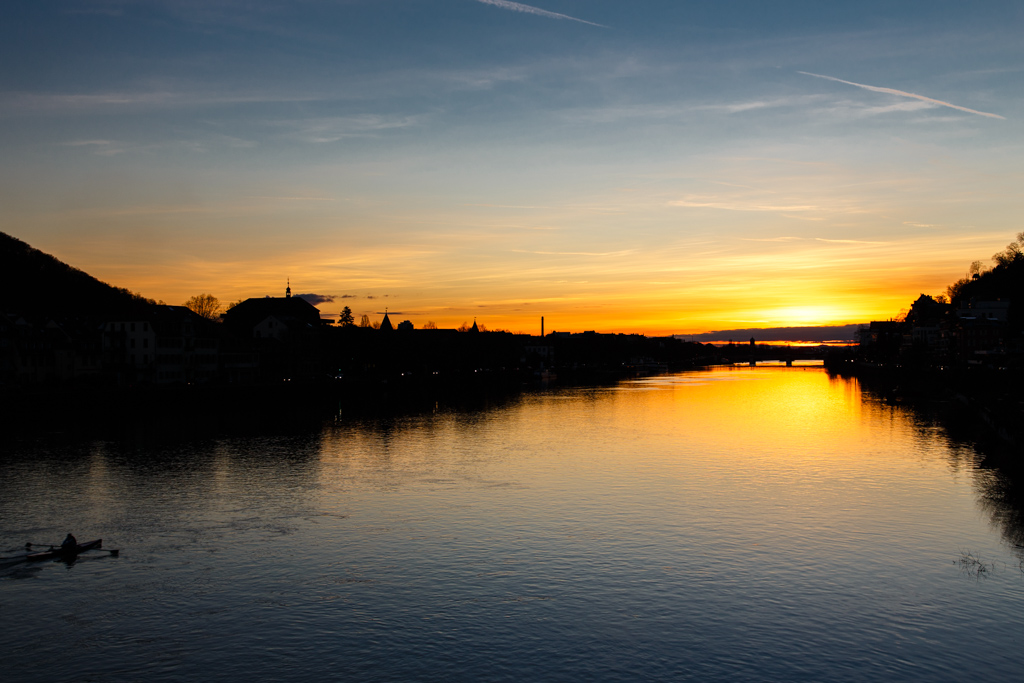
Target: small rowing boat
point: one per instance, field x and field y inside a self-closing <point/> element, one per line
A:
<point x="58" y="553"/>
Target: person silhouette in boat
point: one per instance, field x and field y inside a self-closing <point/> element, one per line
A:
<point x="70" y="544"/>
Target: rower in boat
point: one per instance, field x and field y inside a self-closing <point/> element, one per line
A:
<point x="70" y="545"/>
<point x="70" y="552"/>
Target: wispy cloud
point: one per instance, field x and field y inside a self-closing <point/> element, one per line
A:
<point x="333" y="129"/>
<point x="803" y="218"/>
<point x="66" y="103"/>
<point x="575" y="253"/>
<point x="85" y="143"/>
<point x="105" y="148"/>
<point x="291" y="198"/>
<point x="507" y="206"/>
<point x="105" y="11"/>
<point x="527" y="9"/>
<point x="700" y="203"/>
<point x="902" y="93"/>
<point x="823" y="239"/>
<point x="739" y="107"/>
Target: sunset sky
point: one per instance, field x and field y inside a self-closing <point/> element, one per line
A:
<point x="646" y="166"/>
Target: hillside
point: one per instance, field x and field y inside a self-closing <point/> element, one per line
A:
<point x="1005" y="280"/>
<point x="34" y="283"/>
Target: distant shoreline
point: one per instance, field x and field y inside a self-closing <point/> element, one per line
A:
<point x="840" y="335"/>
<point x="836" y="343"/>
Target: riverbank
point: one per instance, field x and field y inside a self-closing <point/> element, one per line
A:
<point x="282" y="405"/>
<point x="980" y="406"/>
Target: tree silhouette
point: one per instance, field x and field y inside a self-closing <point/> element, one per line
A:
<point x="364" y="321"/>
<point x="1004" y="281"/>
<point x="956" y="289"/>
<point x="1014" y="252"/>
<point x="206" y="305"/>
<point x="346" y="319"/>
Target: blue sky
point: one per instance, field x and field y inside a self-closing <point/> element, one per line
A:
<point x="641" y="166"/>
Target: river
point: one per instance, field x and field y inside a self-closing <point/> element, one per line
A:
<point x="741" y="524"/>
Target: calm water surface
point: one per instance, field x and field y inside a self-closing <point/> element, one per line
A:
<point x="736" y="524"/>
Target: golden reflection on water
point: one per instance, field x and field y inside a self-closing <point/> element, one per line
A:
<point x="766" y="418"/>
<point x="794" y="417"/>
<point x="765" y="407"/>
<point x="773" y="452"/>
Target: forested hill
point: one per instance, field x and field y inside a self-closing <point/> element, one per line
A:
<point x="34" y="283"/>
<point x="1004" y="280"/>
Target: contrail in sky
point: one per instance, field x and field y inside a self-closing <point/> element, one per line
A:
<point x="901" y="93"/>
<point x="519" y="7"/>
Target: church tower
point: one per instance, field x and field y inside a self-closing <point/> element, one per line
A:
<point x="288" y="290"/>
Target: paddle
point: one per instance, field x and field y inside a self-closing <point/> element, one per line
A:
<point x="52" y="545"/>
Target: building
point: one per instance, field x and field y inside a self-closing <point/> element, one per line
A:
<point x="163" y="345"/>
<point x="284" y="333"/>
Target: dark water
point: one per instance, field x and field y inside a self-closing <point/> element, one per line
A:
<point x="743" y="525"/>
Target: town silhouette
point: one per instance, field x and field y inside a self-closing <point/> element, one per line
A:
<point x="66" y="335"/>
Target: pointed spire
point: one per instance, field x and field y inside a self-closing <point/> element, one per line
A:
<point x="288" y="290"/>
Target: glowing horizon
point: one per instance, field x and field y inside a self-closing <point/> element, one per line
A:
<point x="696" y="302"/>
